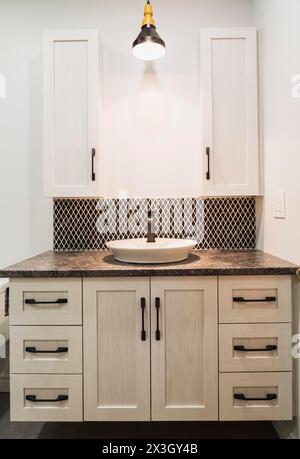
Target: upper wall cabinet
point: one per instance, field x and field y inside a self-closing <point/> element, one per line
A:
<point x="229" y="106"/>
<point x="71" y="103"/>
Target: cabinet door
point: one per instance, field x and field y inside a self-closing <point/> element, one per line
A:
<point x="116" y="358"/>
<point x="229" y="105"/>
<point x="184" y="349"/>
<point x="71" y="100"/>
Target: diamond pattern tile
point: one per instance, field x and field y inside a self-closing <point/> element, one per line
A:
<point x="215" y="223"/>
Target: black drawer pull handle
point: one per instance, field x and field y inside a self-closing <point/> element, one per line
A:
<point x="253" y="399"/>
<point x="267" y="299"/>
<point x="143" y="306"/>
<point x="93" y="164"/>
<point x="6" y="302"/>
<point x="157" y="331"/>
<point x="268" y="348"/>
<point x="208" y="163"/>
<point x="59" y="350"/>
<point x="58" y="301"/>
<point x="33" y="399"/>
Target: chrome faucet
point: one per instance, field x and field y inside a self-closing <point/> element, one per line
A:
<point x="150" y="234"/>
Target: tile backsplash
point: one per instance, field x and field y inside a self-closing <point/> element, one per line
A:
<point x="215" y="223"/>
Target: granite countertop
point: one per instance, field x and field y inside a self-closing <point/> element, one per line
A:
<point x="102" y="264"/>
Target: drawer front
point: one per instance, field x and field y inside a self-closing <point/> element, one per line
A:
<point x="255" y="396"/>
<point x="46" y="398"/>
<point x="46" y="302"/>
<point x="255" y="299"/>
<point x="29" y="346"/>
<point x="255" y="347"/>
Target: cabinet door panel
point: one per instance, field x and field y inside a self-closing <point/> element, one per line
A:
<point x="184" y="360"/>
<point x="71" y="87"/>
<point x="116" y="359"/>
<point x="229" y="111"/>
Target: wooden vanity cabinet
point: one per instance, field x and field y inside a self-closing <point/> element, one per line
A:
<point x="183" y="339"/>
<point x="141" y="349"/>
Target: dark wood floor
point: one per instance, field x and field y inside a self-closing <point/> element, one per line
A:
<point x="133" y="430"/>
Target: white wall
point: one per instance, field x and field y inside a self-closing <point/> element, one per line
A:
<point x="278" y="21"/>
<point x="166" y="131"/>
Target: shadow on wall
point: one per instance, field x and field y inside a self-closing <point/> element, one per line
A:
<point x="151" y="108"/>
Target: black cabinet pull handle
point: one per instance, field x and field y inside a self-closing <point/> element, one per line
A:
<point x="58" y="301"/>
<point x="157" y="331"/>
<point x="59" y="350"/>
<point x="93" y="164"/>
<point x="6" y="302"/>
<point x="253" y="399"/>
<point x="268" y="348"/>
<point x="143" y="306"/>
<point x="208" y="163"/>
<point x="267" y="299"/>
<point x="33" y="399"/>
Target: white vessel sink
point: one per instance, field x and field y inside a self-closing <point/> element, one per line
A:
<point x="141" y="251"/>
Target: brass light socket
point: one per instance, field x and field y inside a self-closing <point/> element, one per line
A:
<point x="148" y="15"/>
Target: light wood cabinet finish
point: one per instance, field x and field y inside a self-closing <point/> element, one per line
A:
<point x="46" y="387"/>
<point x="255" y="385"/>
<point x="116" y="360"/>
<point x="255" y="288"/>
<point x="71" y="113"/>
<point x="184" y="361"/>
<point x="168" y="373"/>
<point x="47" y="291"/>
<point x="255" y="336"/>
<point x="229" y="111"/>
<point x="45" y="338"/>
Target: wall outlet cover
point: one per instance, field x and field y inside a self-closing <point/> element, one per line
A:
<point x="279" y="204"/>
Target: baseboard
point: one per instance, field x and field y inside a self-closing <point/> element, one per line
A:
<point x="284" y="431"/>
<point x="4" y="384"/>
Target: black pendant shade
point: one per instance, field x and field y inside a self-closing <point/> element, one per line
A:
<point x="148" y="33"/>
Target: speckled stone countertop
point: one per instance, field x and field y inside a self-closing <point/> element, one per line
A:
<point x="102" y="264"/>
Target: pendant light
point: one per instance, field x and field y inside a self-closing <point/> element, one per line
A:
<point x="148" y="45"/>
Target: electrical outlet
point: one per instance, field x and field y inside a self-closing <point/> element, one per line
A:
<point x="279" y="207"/>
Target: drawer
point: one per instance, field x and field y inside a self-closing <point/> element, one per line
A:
<point x="29" y="346"/>
<point x="255" y="396"/>
<point x="46" y="398"/>
<point x="255" y="299"/>
<point x="255" y="347"/>
<point x="46" y="302"/>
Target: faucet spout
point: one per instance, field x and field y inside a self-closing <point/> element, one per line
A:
<point x="150" y="234"/>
